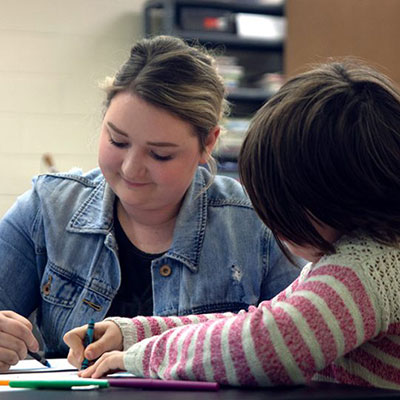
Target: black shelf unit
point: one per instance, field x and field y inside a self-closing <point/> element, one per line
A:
<point x="256" y="55"/>
<point x="171" y="20"/>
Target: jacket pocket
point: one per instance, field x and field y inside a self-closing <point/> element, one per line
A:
<point x="60" y="287"/>
<point x="60" y="290"/>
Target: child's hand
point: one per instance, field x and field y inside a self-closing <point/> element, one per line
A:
<point x="107" y="337"/>
<point x="108" y="363"/>
<point x="16" y="338"/>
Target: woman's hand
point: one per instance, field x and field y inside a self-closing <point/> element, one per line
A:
<point x="107" y="336"/>
<point x="16" y="338"/>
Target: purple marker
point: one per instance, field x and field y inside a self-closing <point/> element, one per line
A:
<point x="161" y="384"/>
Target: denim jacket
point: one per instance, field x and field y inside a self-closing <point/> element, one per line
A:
<point x="59" y="255"/>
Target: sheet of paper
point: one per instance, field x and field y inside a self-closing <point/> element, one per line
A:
<point x="32" y="369"/>
<point x="29" y="366"/>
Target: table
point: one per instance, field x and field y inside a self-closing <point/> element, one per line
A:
<point x="315" y="391"/>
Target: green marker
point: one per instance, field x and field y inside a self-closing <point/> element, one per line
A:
<point x="59" y="384"/>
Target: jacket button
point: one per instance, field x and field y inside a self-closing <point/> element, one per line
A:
<point x="46" y="286"/>
<point x="165" y="270"/>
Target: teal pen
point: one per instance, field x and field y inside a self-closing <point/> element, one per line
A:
<point x="88" y="340"/>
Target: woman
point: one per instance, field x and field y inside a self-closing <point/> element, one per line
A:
<point x="150" y="231"/>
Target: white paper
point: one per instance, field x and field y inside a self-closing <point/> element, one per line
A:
<point x="30" y="366"/>
<point x="32" y="369"/>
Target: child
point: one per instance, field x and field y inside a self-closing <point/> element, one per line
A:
<point x="321" y="163"/>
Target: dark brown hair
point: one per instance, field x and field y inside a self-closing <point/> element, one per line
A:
<point x="326" y="147"/>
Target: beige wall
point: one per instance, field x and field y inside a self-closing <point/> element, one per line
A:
<point x="53" y="54"/>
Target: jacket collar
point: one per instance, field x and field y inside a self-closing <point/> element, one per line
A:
<point x="191" y="223"/>
<point x="95" y="215"/>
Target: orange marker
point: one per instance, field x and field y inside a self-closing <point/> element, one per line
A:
<point x="4" y="383"/>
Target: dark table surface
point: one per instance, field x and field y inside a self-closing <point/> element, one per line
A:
<point x="323" y="391"/>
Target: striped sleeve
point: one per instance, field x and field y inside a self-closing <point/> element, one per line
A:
<point x="136" y="329"/>
<point x="283" y="341"/>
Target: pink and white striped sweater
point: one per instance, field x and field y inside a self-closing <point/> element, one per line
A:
<point x="339" y="321"/>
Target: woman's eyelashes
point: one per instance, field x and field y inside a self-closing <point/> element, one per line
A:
<point x="160" y="157"/>
<point x="153" y="154"/>
<point x="120" y="145"/>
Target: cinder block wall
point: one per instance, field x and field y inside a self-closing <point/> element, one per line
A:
<point x="53" y="54"/>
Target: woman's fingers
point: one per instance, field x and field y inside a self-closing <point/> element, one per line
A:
<point x="16" y="338"/>
<point x="19" y="327"/>
<point x="13" y="345"/>
<point x="17" y="317"/>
